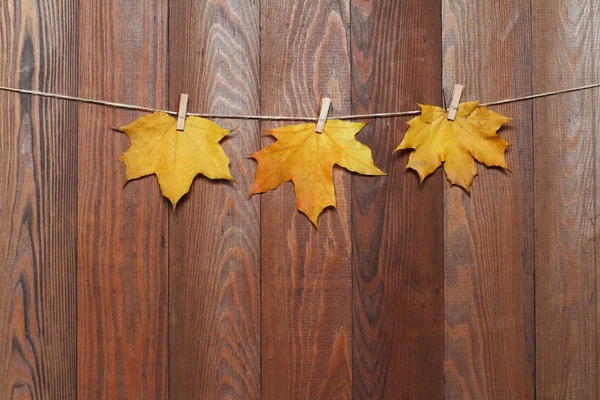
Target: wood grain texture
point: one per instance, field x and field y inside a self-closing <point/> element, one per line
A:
<point x="38" y="191"/>
<point x="123" y="233"/>
<point x="488" y="236"/>
<point x="306" y="273"/>
<point x="404" y="291"/>
<point x="214" y="268"/>
<point x="565" y="48"/>
<point x="397" y="224"/>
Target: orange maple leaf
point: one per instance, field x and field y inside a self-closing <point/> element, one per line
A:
<point x="306" y="157"/>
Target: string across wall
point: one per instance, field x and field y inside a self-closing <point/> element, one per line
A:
<point x="277" y="117"/>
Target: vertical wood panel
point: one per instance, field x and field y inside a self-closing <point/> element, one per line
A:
<point x="489" y="323"/>
<point x="38" y="196"/>
<point x="306" y="273"/>
<point x="214" y="300"/>
<point x="123" y="236"/>
<point x="566" y="42"/>
<point x="397" y="224"/>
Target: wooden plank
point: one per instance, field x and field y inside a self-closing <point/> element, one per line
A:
<point x="214" y="296"/>
<point x="488" y="236"/>
<point x="397" y="224"/>
<point x="38" y="193"/>
<point x="565" y="53"/>
<point x="122" y="235"/>
<point x="306" y="273"/>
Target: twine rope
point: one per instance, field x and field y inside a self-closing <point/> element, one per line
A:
<point x="276" y="117"/>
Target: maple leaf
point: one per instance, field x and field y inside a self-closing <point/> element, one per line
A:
<point x="472" y="135"/>
<point x="306" y="157"/>
<point x="176" y="157"/>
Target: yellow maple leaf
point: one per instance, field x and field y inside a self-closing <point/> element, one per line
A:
<point x="472" y="135"/>
<point x="306" y="157"/>
<point x="176" y="157"/>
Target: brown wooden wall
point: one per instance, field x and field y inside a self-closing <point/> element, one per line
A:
<point x="404" y="291"/>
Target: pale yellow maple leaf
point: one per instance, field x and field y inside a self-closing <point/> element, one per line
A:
<point x="472" y="135"/>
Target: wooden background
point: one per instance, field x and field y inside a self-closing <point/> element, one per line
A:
<point x="405" y="291"/>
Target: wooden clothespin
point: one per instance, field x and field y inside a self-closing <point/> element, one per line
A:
<point x="325" y="105"/>
<point x="181" y="115"/>
<point x="453" y="108"/>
